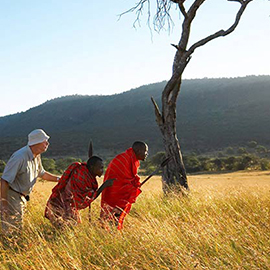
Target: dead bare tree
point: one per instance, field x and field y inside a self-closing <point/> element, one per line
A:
<point x="174" y="175"/>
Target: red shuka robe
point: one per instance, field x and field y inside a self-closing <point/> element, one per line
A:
<point x="75" y="190"/>
<point x="125" y="189"/>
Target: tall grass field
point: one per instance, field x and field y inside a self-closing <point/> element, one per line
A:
<point x="224" y="223"/>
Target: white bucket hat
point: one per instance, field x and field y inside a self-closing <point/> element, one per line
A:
<point x="37" y="136"/>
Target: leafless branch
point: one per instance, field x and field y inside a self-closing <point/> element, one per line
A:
<point x="163" y="15"/>
<point x="187" y="23"/>
<point x="138" y="7"/>
<point x="222" y="33"/>
<point x="139" y="11"/>
<point x="159" y="118"/>
<point x="182" y="8"/>
<point x="162" y="18"/>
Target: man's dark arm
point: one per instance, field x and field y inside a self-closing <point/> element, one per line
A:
<point x="107" y="183"/>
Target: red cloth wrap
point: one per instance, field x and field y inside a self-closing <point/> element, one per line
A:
<point x="125" y="189"/>
<point x="75" y="190"/>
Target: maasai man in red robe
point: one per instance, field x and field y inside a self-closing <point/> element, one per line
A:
<point x="126" y="187"/>
<point x="76" y="189"/>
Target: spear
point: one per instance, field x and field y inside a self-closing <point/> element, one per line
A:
<point x="90" y="149"/>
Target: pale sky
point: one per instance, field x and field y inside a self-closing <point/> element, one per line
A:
<point x="55" y="48"/>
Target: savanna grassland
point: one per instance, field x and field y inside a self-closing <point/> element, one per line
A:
<point x="223" y="224"/>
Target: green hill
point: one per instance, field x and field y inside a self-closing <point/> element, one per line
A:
<point x="212" y="114"/>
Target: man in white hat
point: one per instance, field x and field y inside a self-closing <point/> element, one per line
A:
<point x="19" y="177"/>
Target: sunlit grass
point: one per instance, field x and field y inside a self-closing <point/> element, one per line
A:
<point x="223" y="224"/>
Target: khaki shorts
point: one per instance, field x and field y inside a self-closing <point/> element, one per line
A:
<point x="16" y="210"/>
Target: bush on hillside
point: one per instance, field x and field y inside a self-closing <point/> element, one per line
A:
<point x="58" y="166"/>
<point x="252" y="144"/>
<point x="49" y="165"/>
<point x="265" y="164"/>
<point x="229" y="151"/>
<point x="158" y="158"/>
<point x="2" y="165"/>
<point x="242" y="151"/>
<point x="63" y="163"/>
<point x="192" y="163"/>
<point x="261" y="149"/>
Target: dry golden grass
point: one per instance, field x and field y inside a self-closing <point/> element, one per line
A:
<point x="223" y="224"/>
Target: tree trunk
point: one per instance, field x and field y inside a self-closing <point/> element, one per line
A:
<point x="174" y="174"/>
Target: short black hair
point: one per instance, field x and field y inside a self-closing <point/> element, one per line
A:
<point x="138" y="145"/>
<point x="92" y="161"/>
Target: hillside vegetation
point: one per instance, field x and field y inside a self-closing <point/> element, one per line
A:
<point x="212" y="114"/>
<point x="223" y="224"/>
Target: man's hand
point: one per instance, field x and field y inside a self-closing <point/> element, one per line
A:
<point x="107" y="183"/>
<point x="51" y="177"/>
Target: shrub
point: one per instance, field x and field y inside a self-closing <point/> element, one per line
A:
<point x="230" y="163"/>
<point x="49" y="165"/>
<point x="252" y="144"/>
<point x="2" y="165"/>
<point x="247" y="162"/>
<point x="242" y="151"/>
<point x="192" y="164"/>
<point x="158" y="158"/>
<point x="205" y="164"/>
<point x="218" y="164"/>
<point x="151" y="163"/>
<point x="62" y="164"/>
<point x="265" y="164"/>
<point x="229" y="151"/>
<point x="261" y="149"/>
